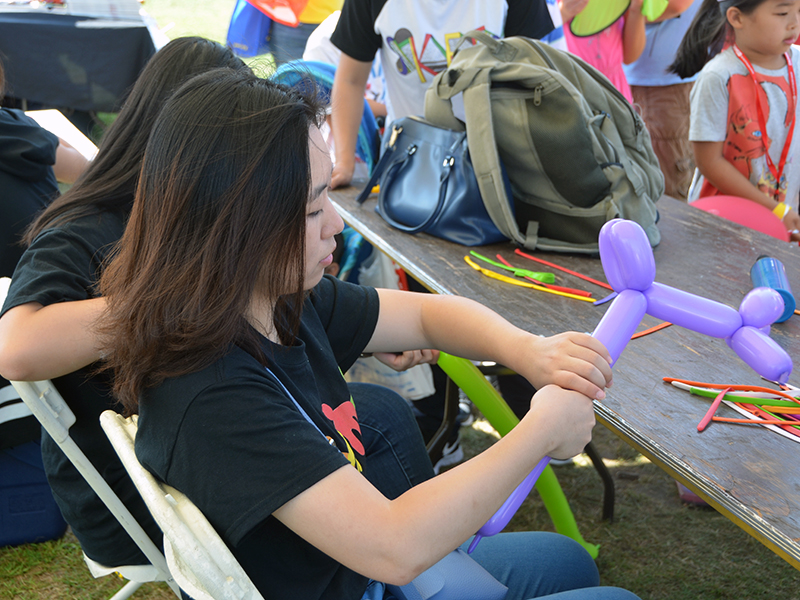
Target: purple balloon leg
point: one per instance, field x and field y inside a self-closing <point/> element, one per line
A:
<point x="761" y="353"/>
<point x="692" y="312"/>
<point x="620" y="321"/>
<point x="614" y="330"/>
<point x="503" y="515"/>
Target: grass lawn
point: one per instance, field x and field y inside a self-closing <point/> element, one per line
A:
<point x="657" y="546"/>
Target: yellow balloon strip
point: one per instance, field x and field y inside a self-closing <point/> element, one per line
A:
<point x="512" y="281"/>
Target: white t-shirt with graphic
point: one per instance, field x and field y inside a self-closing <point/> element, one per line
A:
<point x="416" y="39"/>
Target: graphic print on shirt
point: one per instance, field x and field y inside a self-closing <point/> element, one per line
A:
<point x="426" y="59"/>
<point x="744" y="141"/>
<point x="345" y="421"/>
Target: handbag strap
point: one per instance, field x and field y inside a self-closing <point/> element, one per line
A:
<point x="447" y="168"/>
<point x="381" y="166"/>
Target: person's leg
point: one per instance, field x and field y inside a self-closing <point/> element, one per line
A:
<point x="396" y="456"/>
<point x="288" y="43"/>
<point x="665" y="110"/>
<point x="543" y="564"/>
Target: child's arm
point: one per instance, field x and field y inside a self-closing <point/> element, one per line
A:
<point x="730" y="182"/>
<point x="570" y="8"/>
<point x="633" y="34"/>
<point x="347" y="105"/>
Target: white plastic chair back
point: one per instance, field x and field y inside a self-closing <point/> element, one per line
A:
<point x="10" y="410"/>
<point x="202" y="564"/>
<point x="5" y="283"/>
<point x="50" y="409"/>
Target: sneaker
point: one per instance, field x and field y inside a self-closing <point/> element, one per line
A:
<point x="452" y="454"/>
<point x="465" y="418"/>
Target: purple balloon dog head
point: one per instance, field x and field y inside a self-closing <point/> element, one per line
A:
<point x="630" y="269"/>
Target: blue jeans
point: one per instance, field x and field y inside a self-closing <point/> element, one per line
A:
<point x="288" y="43"/>
<point x="396" y="456"/>
<point x="530" y="564"/>
<point x="535" y="565"/>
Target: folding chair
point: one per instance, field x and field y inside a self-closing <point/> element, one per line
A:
<point x="50" y="409"/>
<point x="202" y="564"/>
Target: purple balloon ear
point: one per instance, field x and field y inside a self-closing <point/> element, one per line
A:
<point x="761" y="307"/>
<point x="626" y="255"/>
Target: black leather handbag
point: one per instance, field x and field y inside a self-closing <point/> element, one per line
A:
<point x="427" y="184"/>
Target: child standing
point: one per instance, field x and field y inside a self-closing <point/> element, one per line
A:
<point x="744" y="103"/>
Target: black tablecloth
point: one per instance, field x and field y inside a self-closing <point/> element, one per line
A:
<point x="50" y="61"/>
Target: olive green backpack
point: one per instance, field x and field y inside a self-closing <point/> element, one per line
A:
<point x="575" y="152"/>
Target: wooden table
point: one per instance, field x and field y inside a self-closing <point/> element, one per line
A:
<point x="749" y="474"/>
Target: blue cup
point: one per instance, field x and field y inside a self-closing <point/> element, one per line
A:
<point x="770" y="272"/>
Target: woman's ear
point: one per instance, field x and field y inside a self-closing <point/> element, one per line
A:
<point x="735" y="17"/>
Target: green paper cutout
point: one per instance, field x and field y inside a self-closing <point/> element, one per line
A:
<point x="601" y="14"/>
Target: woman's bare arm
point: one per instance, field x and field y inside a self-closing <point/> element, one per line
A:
<point x="43" y="342"/>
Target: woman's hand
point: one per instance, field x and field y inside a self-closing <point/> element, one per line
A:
<point x="571" y="360"/>
<point x="565" y="417"/>
<point x="400" y="361"/>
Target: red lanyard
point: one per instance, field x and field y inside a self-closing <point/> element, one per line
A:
<point x="777" y="173"/>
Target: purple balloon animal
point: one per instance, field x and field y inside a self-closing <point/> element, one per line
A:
<point x="631" y="270"/>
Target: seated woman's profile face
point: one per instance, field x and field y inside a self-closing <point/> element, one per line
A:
<point x="322" y="220"/>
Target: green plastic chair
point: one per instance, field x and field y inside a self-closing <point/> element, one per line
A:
<point x="483" y="395"/>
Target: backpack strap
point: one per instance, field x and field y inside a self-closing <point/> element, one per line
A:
<point x="476" y="85"/>
<point x="485" y="159"/>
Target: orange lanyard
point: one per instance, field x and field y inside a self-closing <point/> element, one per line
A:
<point x="777" y="172"/>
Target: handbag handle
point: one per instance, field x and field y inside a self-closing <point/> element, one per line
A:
<point x="447" y="167"/>
<point x="381" y="166"/>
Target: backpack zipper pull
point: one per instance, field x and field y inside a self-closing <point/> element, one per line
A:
<point x="537" y="95"/>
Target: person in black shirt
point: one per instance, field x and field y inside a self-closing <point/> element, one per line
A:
<point x="228" y="340"/>
<point x="45" y="328"/>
